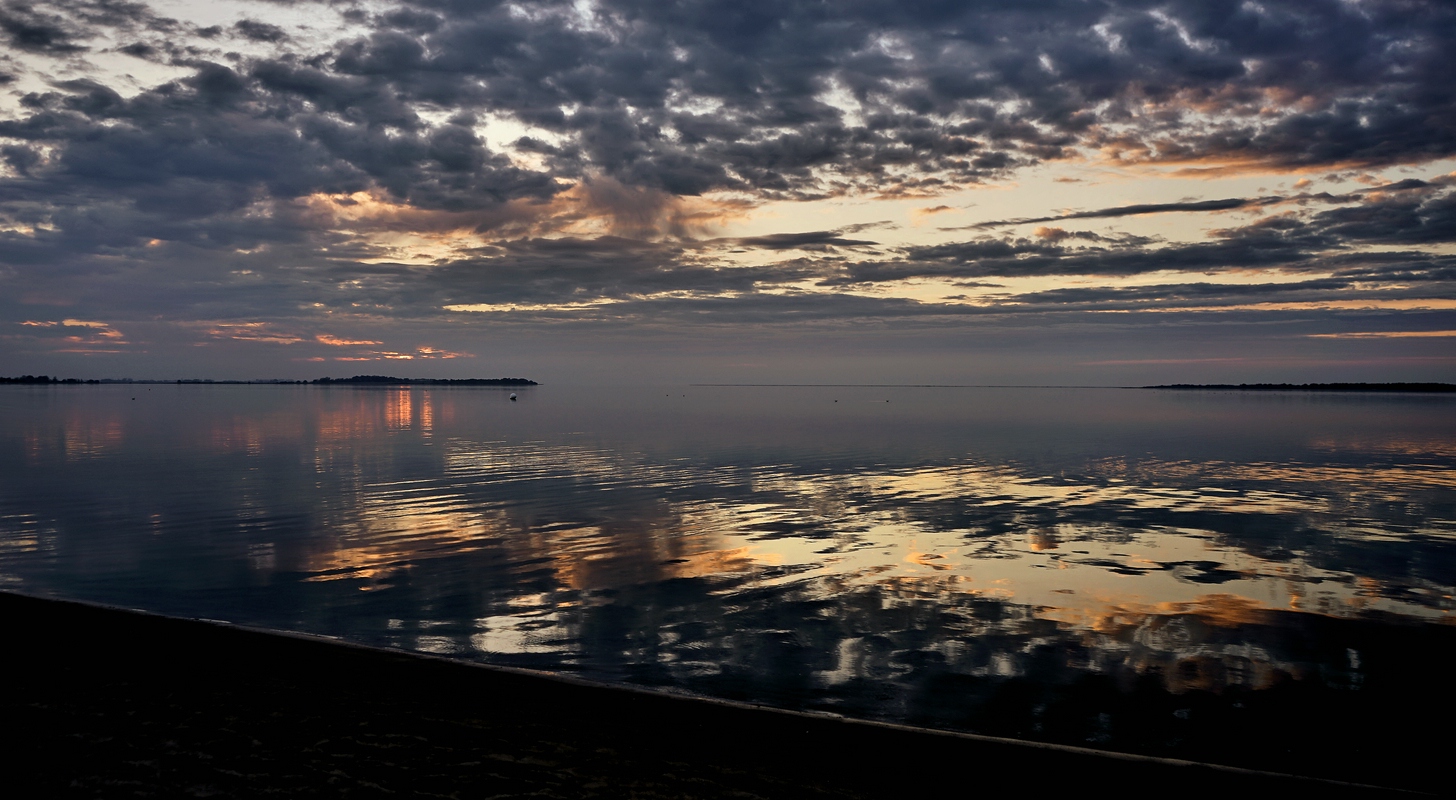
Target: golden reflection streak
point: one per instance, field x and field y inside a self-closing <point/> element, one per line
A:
<point x="88" y="437"/>
<point x="718" y="538"/>
<point x="384" y="541"/>
<point x="1087" y="576"/>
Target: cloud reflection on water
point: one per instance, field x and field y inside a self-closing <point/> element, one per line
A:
<point x="873" y="569"/>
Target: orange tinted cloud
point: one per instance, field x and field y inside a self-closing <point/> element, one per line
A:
<point x="98" y="337"/>
<point x="335" y="341"/>
<point x="422" y="352"/>
<point x="251" y="332"/>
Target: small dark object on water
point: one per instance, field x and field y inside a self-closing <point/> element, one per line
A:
<point x="513" y="397"/>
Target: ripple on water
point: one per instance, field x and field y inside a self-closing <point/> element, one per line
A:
<point x="907" y="563"/>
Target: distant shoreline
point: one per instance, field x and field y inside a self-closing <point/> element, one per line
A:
<point x="1420" y="388"/>
<point x="357" y="380"/>
<point x="1426" y="388"/>
<point x="383" y="380"/>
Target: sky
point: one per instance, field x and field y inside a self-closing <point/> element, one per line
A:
<point x="1072" y="192"/>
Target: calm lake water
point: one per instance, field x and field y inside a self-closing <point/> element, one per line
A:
<point x="1251" y="578"/>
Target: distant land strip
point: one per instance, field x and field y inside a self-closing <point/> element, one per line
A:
<point x="388" y="381"/>
<point x="1428" y="388"/>
<point x="357" y="380"/>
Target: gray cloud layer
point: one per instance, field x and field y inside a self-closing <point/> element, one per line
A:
<point x="186" y="199"/>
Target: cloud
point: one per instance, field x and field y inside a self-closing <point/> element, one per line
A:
<point x="335" y="341"/>
<point x="810" y="240"/>
<point x="741" y="108"/>
<point x="1061" y="234"/>
<point x="252" y="332"/>
<point x="1228" y="204"/>
<point x="38" y="31"/>
<point x="93" y="337"/>
<point x="259" y="31"/>
<point x="1139" y="210"/>
<point x="579" y="273"/>
<point x="1386" y="335"/>
<point x="1394" y="214"/>
<point x="584" y="163"/>
<point x="931" y="98"/>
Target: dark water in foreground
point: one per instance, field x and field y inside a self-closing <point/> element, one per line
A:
<point x="1171" y="573"/>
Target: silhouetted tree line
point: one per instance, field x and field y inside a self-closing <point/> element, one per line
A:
<point x="368" y="380"/>
<point x="43" y="379"/>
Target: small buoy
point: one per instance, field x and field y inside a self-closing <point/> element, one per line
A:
<point x="513" y="397"/>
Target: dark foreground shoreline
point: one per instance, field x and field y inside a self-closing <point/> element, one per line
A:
<point x="103" y="702"/>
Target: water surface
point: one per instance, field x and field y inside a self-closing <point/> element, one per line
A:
<point x="1164" y="572"/>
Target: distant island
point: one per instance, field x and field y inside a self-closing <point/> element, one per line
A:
<point x="357" y="380"/>
<point x="1428" y="388"/>
<point x="377" y="380"/>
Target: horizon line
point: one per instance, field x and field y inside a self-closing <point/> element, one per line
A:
<point x="922" y="385"/>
